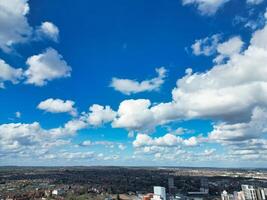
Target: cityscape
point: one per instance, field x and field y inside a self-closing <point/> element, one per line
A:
<point x="136" y="183"/>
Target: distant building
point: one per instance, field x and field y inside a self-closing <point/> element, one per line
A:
<point x="239" y="195"/>
<point x="226" y="196"/>
<point x="260" y="194"/>
<point x="204" y="185"/>
<point x="157" y="197"/>
<point x="171" y="187"/>
<point x="58" y="192"/>
<point x="159" y="192"/>
<point x="249" y="192"/>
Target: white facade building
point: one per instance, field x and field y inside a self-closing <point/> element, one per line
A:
<point x="160" y="191"/>
<point x="249" y="192"/>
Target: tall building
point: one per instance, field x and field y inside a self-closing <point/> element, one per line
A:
<point x="226" y="196"/>
<point x="159" y="192"/>
<point x="204" y="185"/>
<point x="239" y="195"/>
<point x="249" y="192"/>
<point x="260" y="194"/>
<point x="171" y="187"/>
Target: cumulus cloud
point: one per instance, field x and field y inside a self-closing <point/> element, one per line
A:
<point x="69" y="128"/>
<point x="58" y="106"/>
<point x="127" y="86"/>
<point x="48" y="30"/>
<point x="206" y="7"/>
<point x="212" y="45"/>
<point x="99" y="115"/>
<point x="255" y="128"/>
<point x="206" y="46"/>
<point x="16" y="135"/>
<point x="228" y="92"/>
<point x="229" y="48"/>
<point x="9" y="74"/>
<point x="134" y="115"/>
<point x="168" y="146"/>
<point x="14" y="26"/>
<point x="45" y="67"/>
<point x="167" y="140"/>
<point x="233" y="89"/>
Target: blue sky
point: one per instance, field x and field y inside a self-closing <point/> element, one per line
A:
<point x="177" y="82"/>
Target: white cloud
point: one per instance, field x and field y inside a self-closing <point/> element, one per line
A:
<point x="232" y="89"/>
<point x="127" y="86"/>
<point x="167" y="140"/>
<point x="207" y="152"/>
<point x="18" y="114"/>
<point x="122" y="147"/>
<point x="58" y="106"/>
<point x="229" y="48"/>
<point x="45" y="67"/>
<point x="255" y="2"/>
<point x="259" y="39"/>
<point x="86" y="143"/>
<point x="134" y="115"/>
<point x="211" y="45"/>
<point x="255" y="128"/>
<point x="8" y="73"/>
<point x="14" y="27"/>
<point x="76" y="155"/>
<point x="69" y="128"/>
<point x="206" y="46"/>
<point x="206" y="7"/>
<point x="48" y="30"/>
<point x="192" y="141"/>
<point x="227" y="92"/>
<point x="99" y="115"/>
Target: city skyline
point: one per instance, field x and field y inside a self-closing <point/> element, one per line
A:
<point x="133" y="83"/>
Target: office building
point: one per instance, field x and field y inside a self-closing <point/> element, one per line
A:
<point x="159" y="191"/>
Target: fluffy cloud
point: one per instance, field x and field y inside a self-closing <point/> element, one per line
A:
<point x="45" y="67"/>
<point x="30" y="139"/>
<point x="168" y="147"/>
<point x="99" y="115"/>
<point x="58" y="106"/>
<point x="228" y="92"/>
<point x="127" y="86"/>
<point x="16" y="135"/>
<point x="14" y="27"/>
<point x="48" y="30"/>
<point x="206" y="7"/>
<point x="233" y="89"/>
<point x="192" y="141"/>
<point x="8" y="73"/>
<point x="211" y="45"/>
<point x="206" y="46"/>
<point x="259" y="39"/>
<point x="134" y="115"/>
<point x="255" y="128"/>
<point x="227" y="49"/>
<point x="167" y="140"/>
<point x="69" y="128"/>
